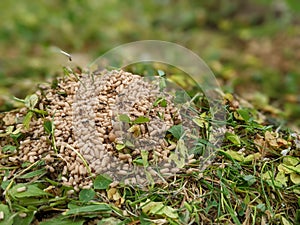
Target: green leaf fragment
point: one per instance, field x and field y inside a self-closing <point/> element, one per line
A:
<point x="233" y="138"/>
<point x="180" y="154"/>
<point x="188" y="207"/>
<point x="281" y="178"/>
<point x="119" y="147"/>
<point x="4" y="184"/>
<point x="245" y="114"/>
<point x="289" y="169"/>
<point x="27" y="119"/>
<point x="48" y="126"/>
<point x="295" y="178"/>
<point x="61" y="220"/>
<point x="7" y="215"/>
<point x="285" y="221"/>
<point x="177" y="131"/>
<point x="86" y="195"/>
<point x="251" y="157"/>
<point x="15" y="135"/>
<point x="290" y="161"/>
<point x="141" y="119"/>
<point x="8" y="148"/>
<point x="39" y="111"/>
<point x="261" y="207"/>
<point x="162" y="83"/>
<point x="9" y="129"/>
<point x="102" y="207"/>
<point x="250" y="179"/>
<point x="102" y="182"/>
<point x="161" y="73"/>
<point x="27" y="220"/>
<point x="34" y="201"/>
<point x="268" y="175"/>
<point x="138" y="161"/>
<point x="160" y="101"/>
<point x="31" y="101"/>
<point x="34" y="173"/>
<point x="201" y="122"/>
<point x="163" y="103"/>
<point x="129" y="144"/>
<point x="235" y="155"/>
<point x="29" y="191"/>
<point x="144" y="155"/>
<point x="283" y="168"/>
<point x="124" y="118"/>
<point x="158" y="208"/>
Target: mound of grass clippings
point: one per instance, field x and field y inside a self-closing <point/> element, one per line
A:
<point x="54" y="168"/>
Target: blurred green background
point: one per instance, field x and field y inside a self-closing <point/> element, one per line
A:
<point x="252" y="46"/>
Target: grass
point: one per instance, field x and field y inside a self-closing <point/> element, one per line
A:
<point x="250" y="181"/>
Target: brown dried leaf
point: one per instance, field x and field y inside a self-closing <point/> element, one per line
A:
<point x="115" y="196"/>
<point x="260" y="143"/>
<point x="269" y="136"/>
<point x="273" y="143"/>
<point x="282" y="142"/>
<point x="111" y="192"/>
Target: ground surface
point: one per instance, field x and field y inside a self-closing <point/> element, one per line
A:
<point x="253" y="49"/>
<point x="253" y="177"/>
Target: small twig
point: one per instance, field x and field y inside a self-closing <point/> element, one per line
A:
<point x="66" y="54"/>
<point x="58" y="50"/>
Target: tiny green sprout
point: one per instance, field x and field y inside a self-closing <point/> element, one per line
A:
<point x="162" y="80"/>
<point x="67" y="71"/>
<point x="102" y="182"/>
<point x="119" y="147"/>
<point x="162" y="83"/>
<point x="49" y="129"/>
<point x="66" y="54"/>
<point x="30" y="102"/>
<point x="141" y="119"/>
<point x="161" y="115"/>
<point x="145" y="155"/>
<point x="138" y="161"/>
<point x="161" y="73"/>
<point x="129" y="144"/>
<point x="160" y="101"/>
<point x="86" y="195"/>
<point x="8" y="148"/>
<point x="126" y="145"/>
<point x="126" y="119"/>
<point x="177" y="131"/>
<point x="14" y="134"/>
<point x="27" y="119"/>
<point x="10" y="131"/>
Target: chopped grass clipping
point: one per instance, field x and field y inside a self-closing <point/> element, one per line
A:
<point x="52" y="175"/>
